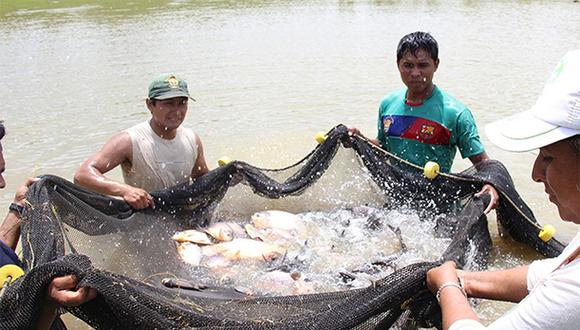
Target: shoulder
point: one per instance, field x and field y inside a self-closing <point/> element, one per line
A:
<point x="453" y="106"/>
<point x="135" y="129"/>
<point x="121" y="138"/>
<point x="187" y="132"/>
<point x="392" y="97"/>
<point x="192" y="138"/>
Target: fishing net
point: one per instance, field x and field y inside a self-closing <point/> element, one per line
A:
<point x="69" y="230"/>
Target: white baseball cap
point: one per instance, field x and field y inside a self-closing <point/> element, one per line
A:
<point x="554" y="117"/>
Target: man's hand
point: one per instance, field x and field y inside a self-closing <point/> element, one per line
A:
<point x="21" y="191"/>
<point x="137" y="198"/>
<point x="62" y="292"/>
<point x="353" y="131"/>
<point x="494" y="200"/>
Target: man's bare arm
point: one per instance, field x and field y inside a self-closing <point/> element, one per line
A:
<point x="200" y="167"/>
<point x="115" y="152"/>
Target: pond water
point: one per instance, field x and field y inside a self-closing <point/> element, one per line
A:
<point x="267" y="75"/>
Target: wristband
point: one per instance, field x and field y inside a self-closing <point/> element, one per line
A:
<point x="446" y="285"/>
<point x="16" y="208"/>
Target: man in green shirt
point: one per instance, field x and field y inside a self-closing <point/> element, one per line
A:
<point x="423" y="123"/>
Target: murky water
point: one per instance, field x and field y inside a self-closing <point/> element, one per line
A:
<point x="266" y="75"/>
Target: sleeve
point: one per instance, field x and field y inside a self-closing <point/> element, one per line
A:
<point x="7" y="256"/>
<point x="539" y="269"/>
<point x="468" y="140"/>
<point x="553" y="304"/>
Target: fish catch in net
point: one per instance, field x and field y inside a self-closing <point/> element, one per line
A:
<point x="131" y="260"/>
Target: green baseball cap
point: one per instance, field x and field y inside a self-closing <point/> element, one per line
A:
<point x="168" y="86"/>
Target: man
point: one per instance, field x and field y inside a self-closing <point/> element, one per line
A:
<point x="547" y="290"/>
<point x="153" y="155"/>
<point x="422" y="122"/>
<point x="61" y="290"/>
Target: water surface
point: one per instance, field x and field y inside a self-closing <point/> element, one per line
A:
<point x="267" y="75"/>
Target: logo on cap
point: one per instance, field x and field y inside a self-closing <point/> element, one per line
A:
<point x="173" y="82"/>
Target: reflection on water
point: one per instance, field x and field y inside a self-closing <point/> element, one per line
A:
<point x="267" y="75"/>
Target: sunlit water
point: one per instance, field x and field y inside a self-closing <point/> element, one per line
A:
<point x="266" y="76"/>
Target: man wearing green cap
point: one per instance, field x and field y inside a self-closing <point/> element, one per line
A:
<point x="153" y="155"/>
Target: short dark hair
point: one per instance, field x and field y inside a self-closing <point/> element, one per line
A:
<point x="2" y="129"/>
<point x="575" y="141"/>
<point x="415" y="41"/>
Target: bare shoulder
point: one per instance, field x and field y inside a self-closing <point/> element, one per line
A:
<point x="119" y="143"/>
<point x="118" y="149"/>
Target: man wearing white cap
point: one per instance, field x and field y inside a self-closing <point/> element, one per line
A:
<point x="548" y="291"/>
<point x="153" y="155"/>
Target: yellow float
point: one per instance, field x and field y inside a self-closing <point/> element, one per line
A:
<point x="547" y="233"/>
<point x="9" y="274"/>
<point x="224" y="161"/>
<point x="431" y="170"/>
<point x="320" y="137"/>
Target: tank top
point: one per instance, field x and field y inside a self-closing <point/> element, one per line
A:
<point x="160" y="163"/>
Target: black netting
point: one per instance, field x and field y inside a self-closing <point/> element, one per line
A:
<point x="69" y="230"/>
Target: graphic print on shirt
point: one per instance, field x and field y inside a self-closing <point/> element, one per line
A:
<point x="416" y="128"/>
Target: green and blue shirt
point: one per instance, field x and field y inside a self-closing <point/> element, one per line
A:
<point x="431" y="131"/>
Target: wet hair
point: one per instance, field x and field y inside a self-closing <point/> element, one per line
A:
<point x="2" y="129"/>
<point x="413" y="42"/>
<point x="575" y="141"/>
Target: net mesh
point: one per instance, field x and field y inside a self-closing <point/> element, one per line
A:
<point x="69" y="230"/>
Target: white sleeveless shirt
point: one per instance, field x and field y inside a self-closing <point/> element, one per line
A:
<point x="159" y="163"/>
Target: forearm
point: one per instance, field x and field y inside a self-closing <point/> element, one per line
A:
<point x="10" y="230"/>
<point x="506" y="285"/>
<point x="478" y="158"/>
<point x="92" y="179"/>
<point x="454" y="307"/>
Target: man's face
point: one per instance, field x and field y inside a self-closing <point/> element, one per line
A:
<point x="557" y="168"/>
<point x="2" y="169"/>
<point x="417" y="71"/>
<point x="168" y="114"/>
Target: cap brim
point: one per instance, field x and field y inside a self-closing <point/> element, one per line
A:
<point x="171" y="95"/>
<point x="525" y="132"/>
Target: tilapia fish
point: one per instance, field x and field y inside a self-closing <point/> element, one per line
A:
<point x="190" y="253"/>
<point x="225" y="231"/>
<point x="243" y="248"/>
<point x="269" y="234"/>
<point x="192" y="236"/>
<point x="279" y="220"/>
<point x="283" y="283"/>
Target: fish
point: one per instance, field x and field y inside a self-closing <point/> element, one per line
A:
<point x="253" y="232"/>
<point x="185" y="284"/>
<point x="244" y="249"/>
<point x="283" y="283"/>
<point x="268" y="234"/>
<point x="216" y="262"/>
<point x="192" y="236"/>
<point x="225" y="231"/>
<point x="279" y="220"/>
<point x="190" y="253"/>
<point x="208" y="291"/>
